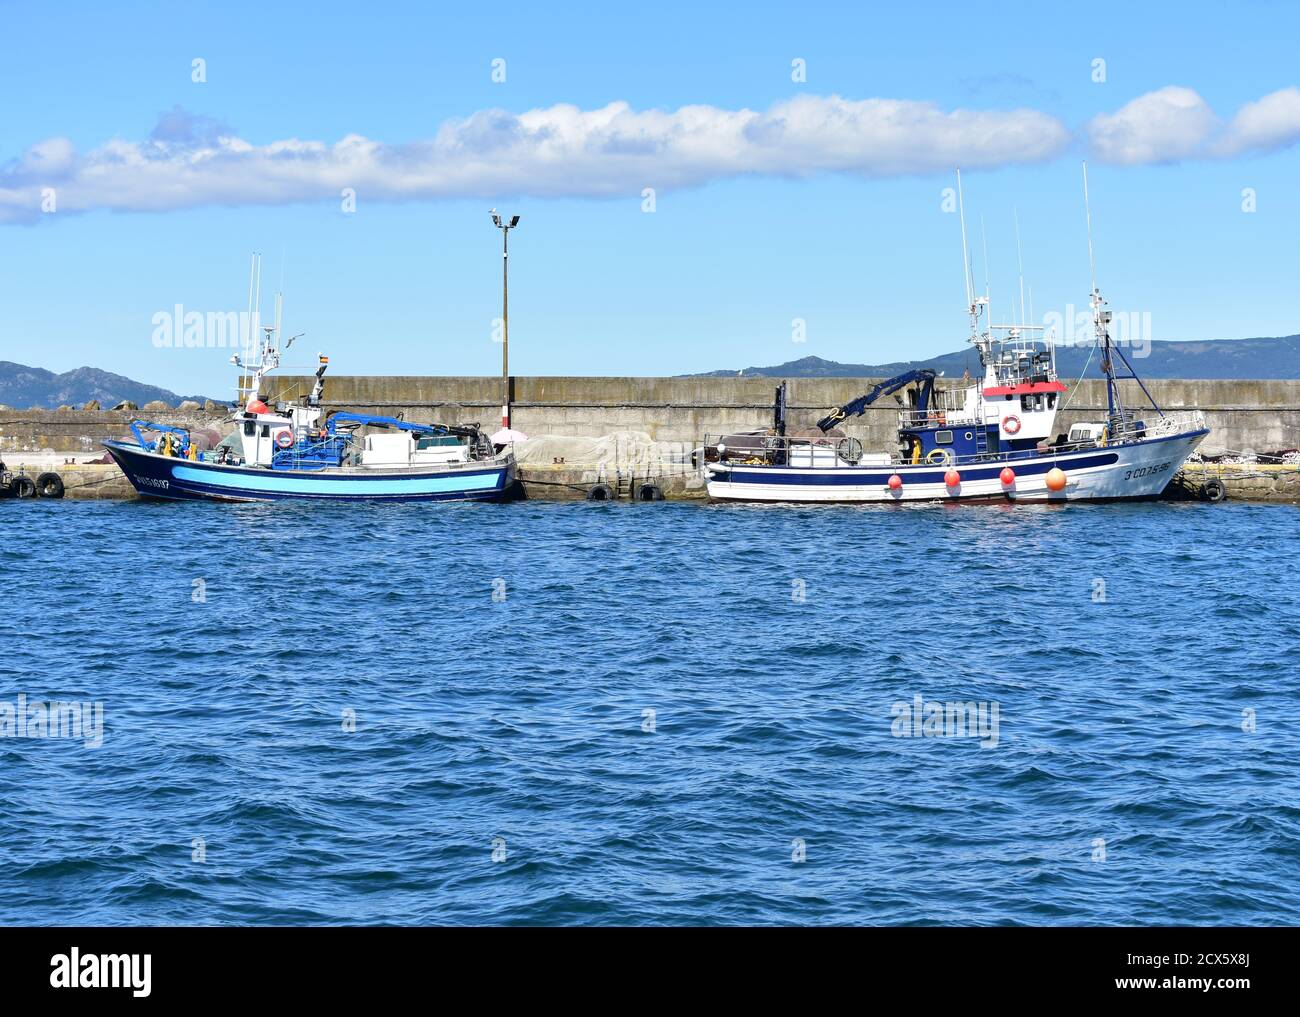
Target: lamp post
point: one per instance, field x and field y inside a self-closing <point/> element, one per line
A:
<point x="505" y="226"/>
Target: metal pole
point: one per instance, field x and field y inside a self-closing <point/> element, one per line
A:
<point x="505" y="327"/>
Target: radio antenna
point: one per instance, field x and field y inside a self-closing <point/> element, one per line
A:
<point x="965" y="255"/>
<point x="1020" y="263"/>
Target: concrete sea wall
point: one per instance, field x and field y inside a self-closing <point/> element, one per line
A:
<point x="1260" y="416"/>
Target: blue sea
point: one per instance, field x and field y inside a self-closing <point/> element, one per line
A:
<point x="650" y="714"/>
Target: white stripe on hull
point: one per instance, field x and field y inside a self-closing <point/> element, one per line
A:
<point x="1144" y="470"/>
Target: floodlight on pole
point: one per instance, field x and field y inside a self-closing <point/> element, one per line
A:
<point x="505" y="227"/>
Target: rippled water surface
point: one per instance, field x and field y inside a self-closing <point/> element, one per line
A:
<point x="502" y="663"/>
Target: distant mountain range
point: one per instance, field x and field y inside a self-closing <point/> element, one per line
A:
<point x="24" y="387"/>
<point x="34" y="387"/>
<point x="1210" y="358"/>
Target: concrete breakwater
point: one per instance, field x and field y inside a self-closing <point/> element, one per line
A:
<point x="1260" y="416"/>
<point x="673" y="414"/>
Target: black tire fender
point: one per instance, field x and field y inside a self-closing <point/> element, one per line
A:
<point x="49" y="485"/>
<point x="601" y="492"/>
<point x="649" y="492"/>
<point x="23" y="487"/>
<point x="1214" y="490"/>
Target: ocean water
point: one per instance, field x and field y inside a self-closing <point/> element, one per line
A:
<point x="645" y="714"/>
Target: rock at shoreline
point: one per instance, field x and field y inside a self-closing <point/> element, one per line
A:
<point x="156" y="406"/>
<point x="127" y="406"/>
<point x="92" y="405"/>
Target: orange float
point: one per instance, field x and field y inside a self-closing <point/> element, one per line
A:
<point x="1056" y="479"/>
<point x="952" y="478"/>
<point x="895" y="482"/>
<point x="1007" y="476"/>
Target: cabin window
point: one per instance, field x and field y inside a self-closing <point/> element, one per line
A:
<point x="266" y="430"/>
<point x="1051" y="401"/>
<point x="943" y="437"/>
<point x="250" y="429"/>
<point x="970" y="435"/>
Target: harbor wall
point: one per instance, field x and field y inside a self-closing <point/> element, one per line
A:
<point x="1258" y="416"/>
<point x="1255" y="416"/>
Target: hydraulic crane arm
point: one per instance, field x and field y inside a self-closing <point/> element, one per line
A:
<point x="888" y="387"/>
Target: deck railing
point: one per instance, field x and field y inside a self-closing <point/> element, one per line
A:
<point x="830" y="452"/>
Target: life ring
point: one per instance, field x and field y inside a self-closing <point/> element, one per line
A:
<point x="940" y="457"/>
<point x="284" y="438"/>
<point x="1011" y="424"/>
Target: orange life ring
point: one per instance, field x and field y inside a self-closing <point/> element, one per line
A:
<point x="284" y="438"/>
<point x="1011" y="424"/>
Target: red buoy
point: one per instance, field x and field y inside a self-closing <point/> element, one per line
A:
<point x="895" y="482"/>
<point x="952" y="478"/>
<point x="257" y="406"/>
<point x="1007" y="476"/>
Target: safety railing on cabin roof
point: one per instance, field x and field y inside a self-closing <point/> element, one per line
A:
<point x="940" y="417"/>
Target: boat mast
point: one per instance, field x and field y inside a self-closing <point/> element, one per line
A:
<point x="973" y="304"/>
<point x="1101" y="322"/>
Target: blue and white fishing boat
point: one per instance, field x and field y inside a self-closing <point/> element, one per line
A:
<point x="295" y="451"/>
<point x="990" y="440"/>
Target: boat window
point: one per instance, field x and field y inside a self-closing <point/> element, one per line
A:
<point x="266" y="430"/>
<point x="943" y="437"/>
<point x="250" y="429"/>
<point x="1051" y="401"/>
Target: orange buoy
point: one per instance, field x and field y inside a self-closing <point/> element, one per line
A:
<point x="952" y="478"/>
<point x="895" y="482"/>
<point x="1056" y="479"/>
<point x="257" y="406"/>
<point x="1007" y="476"/>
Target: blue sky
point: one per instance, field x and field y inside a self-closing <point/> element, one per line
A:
<point x="842" y="227"/>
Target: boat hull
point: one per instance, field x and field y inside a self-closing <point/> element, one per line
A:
<point x="1139" y="469"/>
<point x="170" y="478"/>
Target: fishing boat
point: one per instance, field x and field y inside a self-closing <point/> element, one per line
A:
<point x="990" y="440"/>
<point x="295" y="450"/>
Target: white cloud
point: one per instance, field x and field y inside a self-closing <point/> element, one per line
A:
<point x="1162" y="126"/>
<point x="190" y="161"/>
<point x="1270" y="123"/>
<point x="553" y="152"/>
<point x="1174" y="124"/>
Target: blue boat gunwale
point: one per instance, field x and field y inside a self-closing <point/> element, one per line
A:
<point x="143" y="466"/>
<point x="360" y="473"/>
